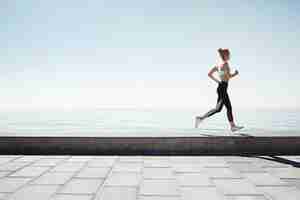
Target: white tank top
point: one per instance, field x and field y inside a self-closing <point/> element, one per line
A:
<point x="221" y="73"/>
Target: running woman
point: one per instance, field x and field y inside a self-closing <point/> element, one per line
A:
<point x="223" y="70"/>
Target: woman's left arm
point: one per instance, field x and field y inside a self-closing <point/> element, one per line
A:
<point x="231" y="75"/>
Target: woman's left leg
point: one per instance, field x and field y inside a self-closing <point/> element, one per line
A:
<point x="228" y="106"/>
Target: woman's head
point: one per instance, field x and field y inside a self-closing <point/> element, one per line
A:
<point x="224" y="54"/>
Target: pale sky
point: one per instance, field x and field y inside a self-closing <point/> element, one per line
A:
<point x="141" y="53"/>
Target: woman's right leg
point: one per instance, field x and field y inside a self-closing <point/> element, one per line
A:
<point x="215" y="110"/>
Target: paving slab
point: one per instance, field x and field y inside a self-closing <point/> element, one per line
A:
<point x="53" y="178"/>
<point x="123" y="179"/>
<point x="246" y="167"/>
<point x="30" y="171"/>
<point x="236" y="187"/>
<point x="4" y="173"/>
<point x="239" y="159"/>
<point x="260" y="197"/>
<point x="158" y="173"/>
<point x="28" y="158"/>
<point x="48" y="162"/>
<point x="33" y="192"/>
<point x="81" y="186"/>
<point x="187" y="159"/>
<point x="270" y="164"/>
<point x="138" y="159"/>
<point x="10" y="156"/>
<point x="187" y="168"/>
<point x="264" y="179"/>
<point x="63" y="157"/>
<point x="222" y="173"/>
<point x="6" y="159"/>
<point x="11" y="184"/>
<point x="127" y="167"/>
<point x="208" y="161"/>
<point x="215" y="163"/>
<point x="3" y="195"/>
<point x="92" y="172"/>
<point x="157" y="163"/>
<point x="71" y="197"/>
<point x="293" y="182"/>
<point x="286" y="173"/>
<point x="196" y="193"/>
<point x="163" y="187"/>
<point x="69" y="167"/>
<point x="194" y="179"/>
<point x="13" y="166"/>
<point x="159" y="198"/>
<point x="115" y="193"/>
<point x="281" y="193"/>
<point x="80" y="159"/>
<point x="105" y="162"/>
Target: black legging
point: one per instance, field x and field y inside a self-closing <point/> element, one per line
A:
<point x="223" y="99"/>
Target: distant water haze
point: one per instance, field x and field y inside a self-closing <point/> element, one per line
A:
<point x="145" y="122"/>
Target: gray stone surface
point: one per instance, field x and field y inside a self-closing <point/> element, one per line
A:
<point x="105" y="162"/>
<point x="246" y="167"/>
<point x="158" y="173"/>
<point x="293" y="182"/>
<point x="48" y="162"/>
<point x="131" y="159"/>
<point x="246" y="197"/>
<point x="72" y="197"/>
<point x="188" y="168"/>
<point x="6" y="159"/>
<point x="236" y="187"/>
<point x="127" y="167"/>
<point x="286" y="173"/>
<point x="92" y="172"/>
<point x="114" y="193"/>
<point x="68" y="167"/>
<point x="54" y="178"/>
<point x="264" y="179"/>
<point x="81" y="186"/>
<point x="164" y="187"/>
<point x="146" y="178"/>
<point x="4" y="173"/>
<point x="123" y="179"/>
<point x="2" y="195"/>
<point x="157" y="162"/>
<point x="30" y="171"/>
<point x="38" y="192"/>
<point x="196" y="193"/>
<point x="160" y="198"/>
<point x="13" y="166"/>
<point x="281" y="193"/>
<point x="221" y="173"/>
<point x="28" y="158"/>
<point x="194" y="179"/>
<point x="80" y="159"/>
<point x="11" y="184"/>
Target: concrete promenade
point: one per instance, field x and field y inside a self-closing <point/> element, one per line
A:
<point x="203" y="145"/>
<point x="149" y="178"/>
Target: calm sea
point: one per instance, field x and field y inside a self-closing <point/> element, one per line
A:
<point x="134" y="122"/>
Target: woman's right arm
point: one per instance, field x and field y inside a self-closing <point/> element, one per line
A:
<point x="211" y="72"/>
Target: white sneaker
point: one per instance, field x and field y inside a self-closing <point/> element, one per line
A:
<point x="236" y="128"/>
<point x="198" y="120"/>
